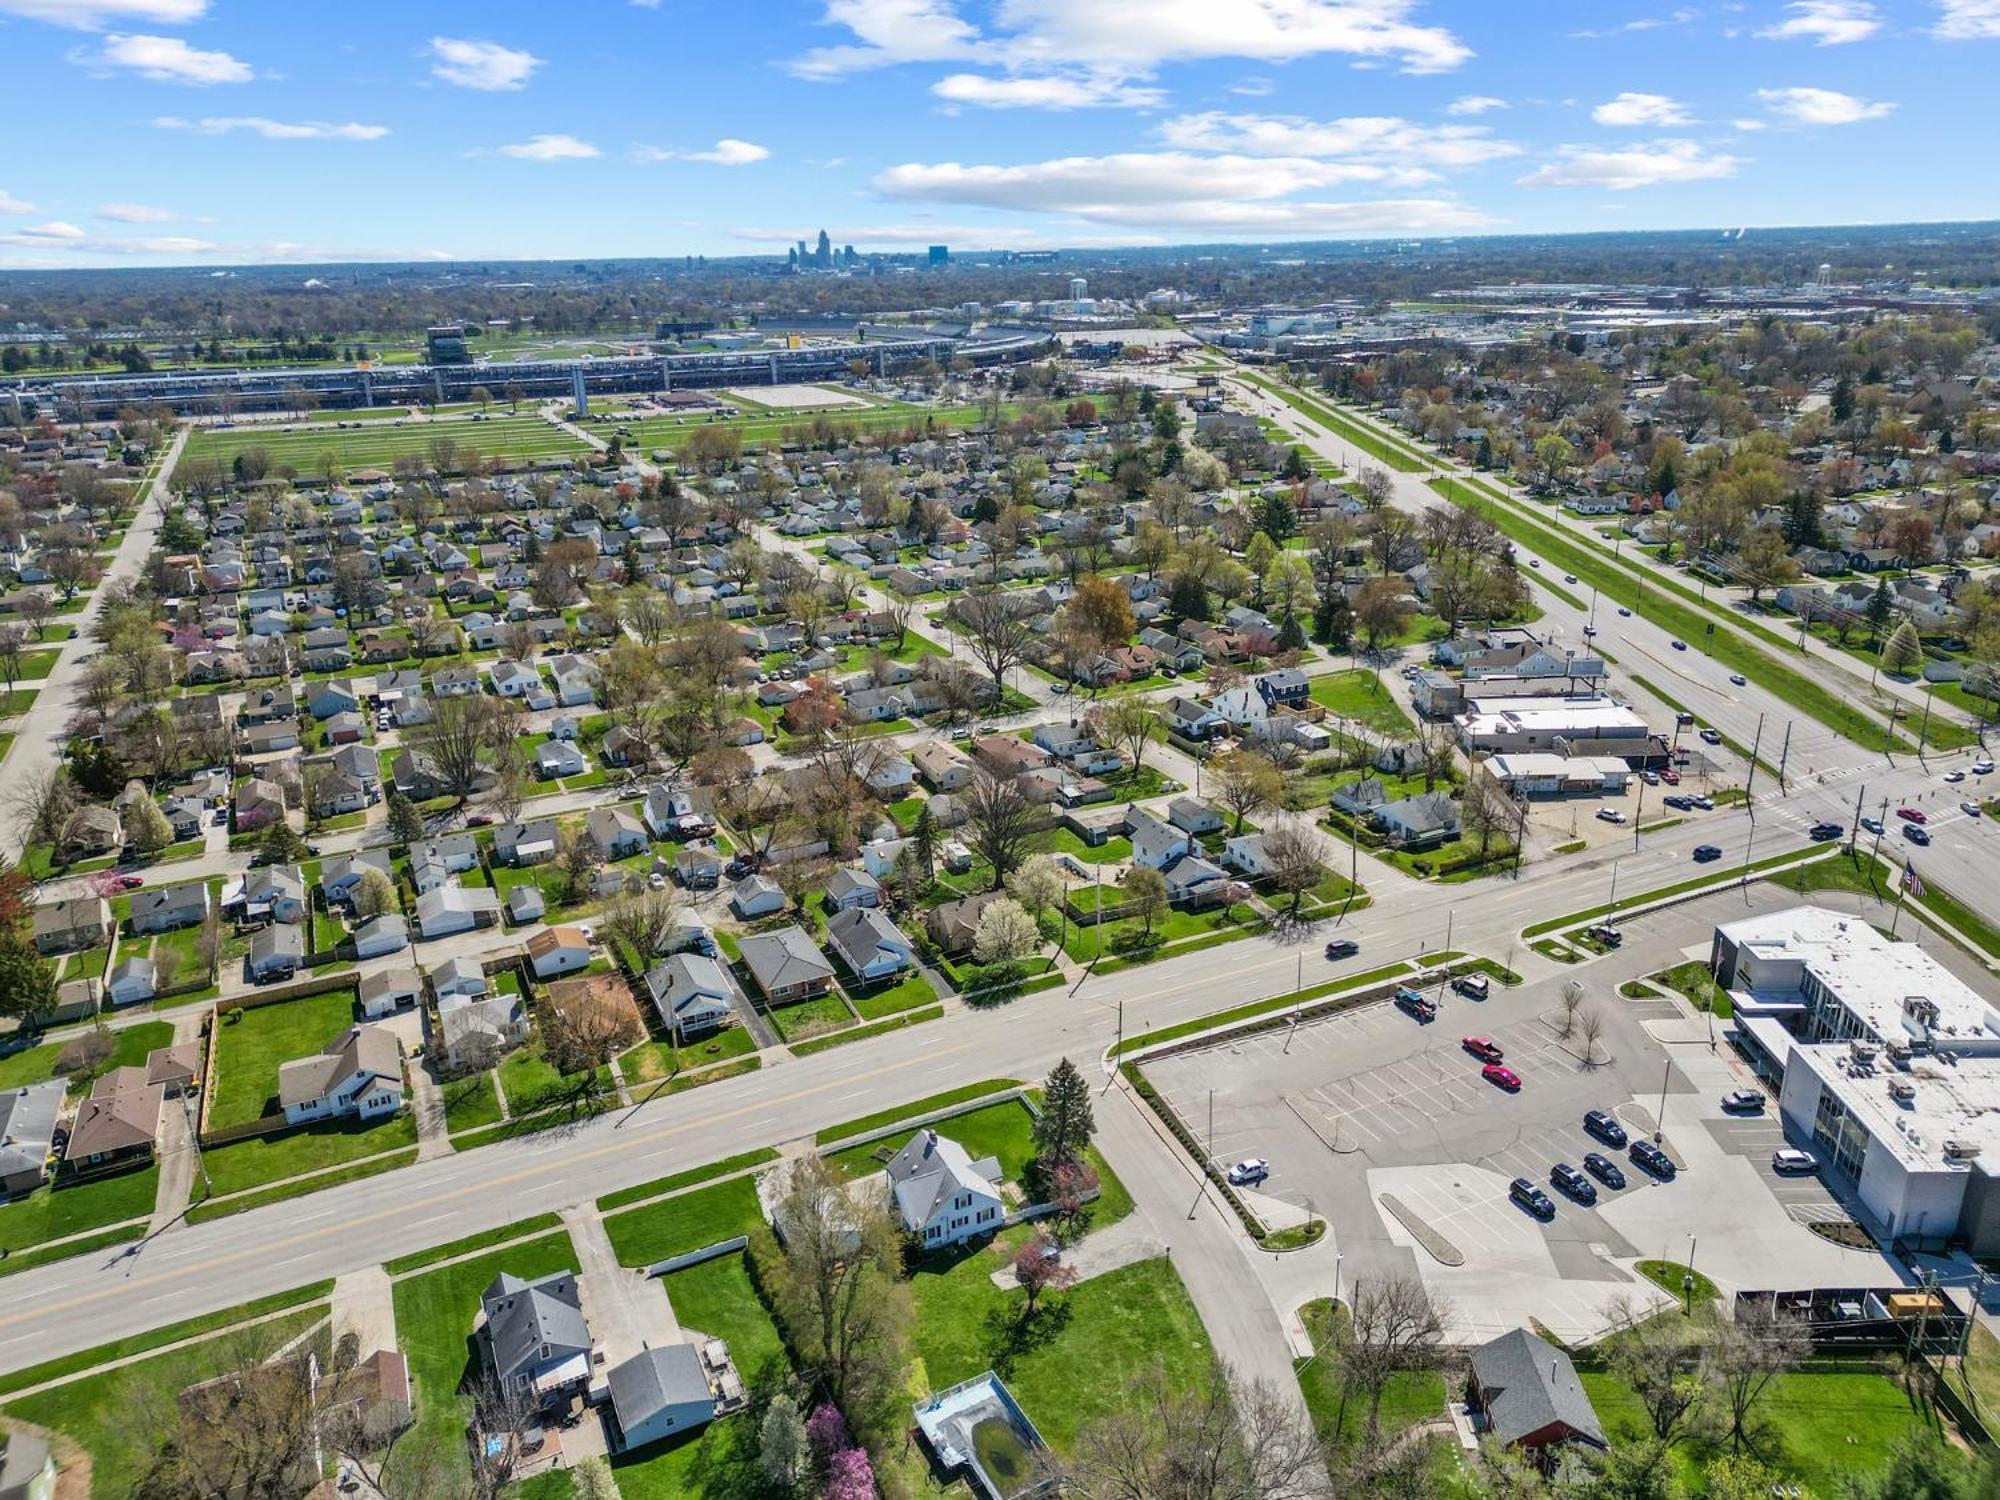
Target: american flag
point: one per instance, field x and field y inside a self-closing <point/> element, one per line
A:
<point x="1912" y="881"/>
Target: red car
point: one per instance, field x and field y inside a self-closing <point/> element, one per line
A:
<point x="130" y="882"/>
<point x="1505" y="1078"/>
<point x="1671" y="777"/>
<point x="1911" y="815"/>
<point x="1483" y="1048"/>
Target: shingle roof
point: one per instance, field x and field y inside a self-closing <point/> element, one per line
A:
<point x="655" y="1379"/>
<point x="521" y="1316"/>
<point x="1529" y="1383"/>
<point x="784" y="958"/>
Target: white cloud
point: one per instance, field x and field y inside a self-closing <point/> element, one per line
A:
<point x="551" y="148"/>
<point x="1412" y="149"/>
<point x="136" y="213"/>
<point x="1254" y="87"/>
<point x="1046" y="91"/>
<point x="1623" y="168"/>
<point x="727" y="152"/>
<point x="172" y="248"/>
<point x="167" y="59"/>
<point x="1750" y="125"/>
<point x="9" y="204"/>
<point x="274" y="130"/>
<point x="1228" y="195"/>
<point x="1474" y="104"/>
<point x="94" y="15"/>
<point x="55" y="229"/>
<point x="1679" y="17"/>
<point x="1130" y="36"/>
<point x="1968" y="20"/>
<point x="475" y="64"/>
<point x="1827" y="23"/>
<point x="1641" y="109"/>
<point x="1805" y="106"/>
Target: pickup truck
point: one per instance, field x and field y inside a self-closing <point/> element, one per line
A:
<point x="1416" y="1003"/>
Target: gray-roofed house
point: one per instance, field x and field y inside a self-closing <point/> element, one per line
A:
<point x="659" y="1392"/>
<point x="27" y="1134"/>
<point x="526" y="843"/>
<point x="27" y="1467"/>
<point x="847" y="888"/>
<point x="1192" y="815"/>
<point x="65" y="926"/>
<point x="130" y="981"/>
<point x="617" y="832"/>
<point x="1421" y="821"/>
<point x="941" y="1194"/>
<point x="871" y="945"/>
<point x="526" y="903"/>
<point x="388" y="990"/>
<point x="953" y="924"/>
<point x="276" y="952"/>
<point x="340" y="876"/>
<point x="358" y="1073"/>
<point x="167" y="907"/>
<point x="756" y="896"/>
<point x="1525" y="1393"/>
<point x="690" y="992"/>
<point x="456" y="908"/>
<point x="786" y="965"/>
<point x="478" y="1031"/>
<point x="534" y="1338"/>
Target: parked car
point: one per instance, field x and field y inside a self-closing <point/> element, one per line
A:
<point x="1250" y="1169"/>
<point x="1610" y="815"/>
<point x="479" y="820"/>
<point x="1604" y="1125"/>
<point x="1605" y="933"/>
<point x="130" y="882"/>
<point x="1473" y="986"/>
<point x="1573" y="1182"/>
<point x="1677" y="802"/>
<point x="1916" y="835"/>
<point x="1744" y="1101"/>
<point x="1501" y="1077"/>
<point x="1703" y="801"/>
<point x="1790" y="1160"/>
<point x="1821" y="832"/>
<point x="1645" y="1154"/>
<point x="1483" y="1047"/>
<point x="1416" y="1003"/>
<point x="1705" y="853"/>
<point x="1604" y="1169"/>
<point x="1671" y="777"/>
<point x="1651" y="778"/>
<point x="1342" y="948"/>
<point x="1711" y="736"/>
<point x="1532" y="1198"/>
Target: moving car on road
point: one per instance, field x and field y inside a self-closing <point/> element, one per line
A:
<point x="1912" y="815"/>
<point x="1532" y="1198"/>
<point x="1970" y="809"/>
<point x="1645" y="1154"/>
<point x="1483" y="1047"/>
<point x="1915" y="834"/>
<point x="1737" y="679"/>
<point x="1711" y="736"/>
<point x="1821" y="832"/>
<point x="1873" y="825"/>
<point x="1342" y="948"/>
<point x="1703" y="853"/>
<point x="1604" y="1169"/>
<point x="1249" y="1170"/>
<point x="1573" y="1182"/>
<point x="1604" y="1125"/>
<point x="1954" y="777"/>
<point x="1982" y="767"/>
<point x="1501" y="1077"/>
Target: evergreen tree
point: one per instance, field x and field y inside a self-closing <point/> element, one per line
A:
<point x="281" y="843"/>
<point x="924" y="843"/>
<point x="985" y="509"/>
<point x="1484" y="458"/>
<point x="1188" y="598"/>
<point x="1275" y="516"/>
<point x="406" y="824"/>
<point x="1802" y="525"/>
<point x="1290" y="636"/>
<point x="1842" y="402"/>
<point x="1296" y="468"/>
<point x="1333" y="620"/>
<point x="1066" y="1124"/>
<point x="1879" y="607"/>
<point x="27" y="983"/>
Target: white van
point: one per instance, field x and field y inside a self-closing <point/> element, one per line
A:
<point x="1472" y="986"/>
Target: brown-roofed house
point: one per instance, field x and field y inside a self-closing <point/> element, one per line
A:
<point x="952" y="925"/>
<point x="1009" y="755"/>
<point x="174" y="1068"/>
<point x="118" y="1122"/>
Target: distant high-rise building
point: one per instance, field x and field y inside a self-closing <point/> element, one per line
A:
<point x="848" y="257"/>
<point x="940" y="255"/>
<point x="1078" y="289"/>
<point x="824" y="258"/>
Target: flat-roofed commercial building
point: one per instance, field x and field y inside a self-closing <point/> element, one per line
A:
<point x="1590" y="724"/>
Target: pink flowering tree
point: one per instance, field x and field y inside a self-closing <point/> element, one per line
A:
<point x="827" y="1434"/>
<point x="851" y="1477"/>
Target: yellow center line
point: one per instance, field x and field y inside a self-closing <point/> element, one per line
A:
<point x="485" y="1186"/>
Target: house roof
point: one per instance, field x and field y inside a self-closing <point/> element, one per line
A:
<point x="397" y="979"/>
<point x="550" y="939"/>
<point x="931" y="1169"/>
<point x="123" y="1111"/>
<point x="864" y="934"/>
<point x="67" y="916"/>
<point x="784" y="958"/>
<point x="1527" y="1383"/>
<point x="688" y="984"/>
<point x="27" y="1125"/>
<point x="522" y="1316"/>
<point x="360" y="1049"/>
<point x="656" y="1380"/>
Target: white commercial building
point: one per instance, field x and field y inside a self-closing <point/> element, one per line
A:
<point x="1890" y="1067"/>
<point x="1540" y="774"/>
<point x="1592" y="724"/>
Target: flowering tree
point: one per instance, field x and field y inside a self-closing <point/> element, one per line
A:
<point x="826" y="1433"/>
<point x="851" y="1477"/>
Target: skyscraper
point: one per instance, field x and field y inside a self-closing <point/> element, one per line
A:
<point x="824" y="258"/>
<point x="940" y="255"/>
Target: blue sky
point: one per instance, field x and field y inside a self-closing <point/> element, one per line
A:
<point x="225" y="131"/>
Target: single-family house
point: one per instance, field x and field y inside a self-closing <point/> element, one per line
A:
<point x="555" y="951"/>
<point x="386" y="991"/>
<point x="277" y="951"/>
<point x="120" y="1120"/>
<point x="476" y="1032"/>
<point x="871" y="945"/>
<point x="528" y="843"/>
<point x="848" y="887"/>
<point x="1524" y="1392"/>
<point x="358" y="1074"/>
<point x="691" y="994"/>
<point x="660" y="1392"/>
<point x="953" y="924"/>
<point x="554" y="758"/>
<point x="943" y="766"/>
<point x="786" y="966"/>
<point x="756" y="896"/>
<point x="616" y="832"/>
<point x="28" y="1119"/>
<point x="941" y="1195"/>
<point x="698" y="866"/>
<point x="72" y="925"/>
<point x="340" y="875"/>
<point x="1191" y="815"/>
<point x="1419" y="822"/>
<point x="130" y="981"/>
<point x="382" y="934"/>
<point x="533" y="1338"/>
<point x="456" y="908"/>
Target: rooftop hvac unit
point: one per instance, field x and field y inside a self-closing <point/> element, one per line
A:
<point x="1902" y="1090"/>
<point x="1961" y="1150"/>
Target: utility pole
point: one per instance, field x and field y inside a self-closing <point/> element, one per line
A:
<point x="1854" y="835"/>
<point x="1923" y="728"/>
<point x="1614" y="888"/>
<point x="1756" y="741"/>
<point x="1638" y="815"/>
<point x="1659" y="1120"/>
<point x="1784" y="754"/>
<point x="1881" y="822"/>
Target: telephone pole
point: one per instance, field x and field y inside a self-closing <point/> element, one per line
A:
<point x="1784" y="754"/>
<point x="1756" y="741"/>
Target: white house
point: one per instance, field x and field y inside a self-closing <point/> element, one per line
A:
<point x="387" y="991"/>
<point x="358" y="1073"/>
<point x="941" y="1194"/>
<point x="871" y="945"/>
<point x="381" y="935"/>
<point x="556" y="951"/>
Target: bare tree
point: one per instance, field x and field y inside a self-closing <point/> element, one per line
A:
<point x="1298" y="861"/>
<point x="585" y="1028"/>
<point x="1394" y="1325"/>
<point x="502" y="1412"/>
<point x="1665" y="1361"/>
<point x="997" y="633"/>
<point x="1225" y="1439"/>
<point x="464" y="733"/>
<point x="1572" y="1001"/>
<point x="42" y="803"/>
<point x="1128" y="725"/>
<point x="1749" y="1352"/>
<point x="1246" y="782"/>
<point x="1589" y="1027"/>
<point x="1001" y="820"/>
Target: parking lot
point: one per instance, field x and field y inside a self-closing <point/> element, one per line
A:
<point x="1384" y="1126"/>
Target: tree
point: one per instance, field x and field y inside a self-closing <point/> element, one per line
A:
<point x="374" y="895"/>
<point x="1062" y="1133"/>
<point x="1665" y="1361"/>
<point x="1187" y="597"/>
<point x="1589" y="1027"/>
<point x="1104" y="609"/>
<point x="1485" y="812"/>
<point x="1881" y="607"/>
<point x="1921" y="1467"/>
<point x="1298" y="862"/>
<point x="27" y="983"/>
<point x="42" y="804"/>
<point x="781" y="1443"/>
<point x="462" y="734"/>
<point x="580" y="858"/>
<point x="146" y="827"/>
<point x="1146" y="892"/>
<point x="1748" y="1353"/>
<point x="1394" y="1325"/>
<point x="1904" y="648"/>
<point x="586" y="1030"/>
<point x="838" y="1288"/>
<point x="1380" y="610"/>
<point x="1001" y="820"/>
<point x="1038" y="884"/>
<point x="281" y="844"/>
<point x="1246" y="782"/>
<point x="997" y="633"/>
<point x="1005" y="932"/>
<point x="1765" y="561"/>
<point x="1038" y="1268"/>
<point x="1376" y="487"/>
<point x="1221" y="1439"/>
<point x="406" y="824"/>
<point x="1128" y="725"/>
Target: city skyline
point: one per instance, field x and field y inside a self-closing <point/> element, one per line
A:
<point x="687" y="127"/>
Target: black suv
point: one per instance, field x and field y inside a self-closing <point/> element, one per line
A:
<point x="1821" y="832"/>
<point x="1573" y="1182"/>
<point x="1532" y="1198"/>
<point x="1652" y="1158"/>
<point x="1604" y="1169"/>
<point x="1600" y="1123"/>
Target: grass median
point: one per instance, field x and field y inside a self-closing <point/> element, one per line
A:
<point x="1719" y="879"/>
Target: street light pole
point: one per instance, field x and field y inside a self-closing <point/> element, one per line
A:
<point x="1659" y="1120"/>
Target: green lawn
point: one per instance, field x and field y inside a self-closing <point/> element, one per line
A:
<point x="686" y="1222"/>
<point x="1412" y="1396"/>
<point x="253" y="1043"/>
<point x="810" y="1018"/>
<point x="662" y="1059"/>
<point x="895" y="1114"/>
<point x="1127" y="936"/>
<point x="906" y="995"/>
<point x="51" y="1213"/>
<point x="241" y="1165"/>
<point x="1002" y="1131"/>
<point x="1693" y="980"/>
<point x="381" y="444"/>
<point x="531" y="1083"/>
<point x="1359" y="695"/>
<point x="470" y="1102"/>
<point x="690" y="1178"/>
<point x="130" y="1046"/>
<point x="120" y="1416"/>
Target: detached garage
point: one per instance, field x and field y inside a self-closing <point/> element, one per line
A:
<point x="660" y="1392"/>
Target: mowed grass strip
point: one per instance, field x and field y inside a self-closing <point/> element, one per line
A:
<point x="379" y="445"/>
<point x="1369" y="442"/>
<point x="883" y="1118"/>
